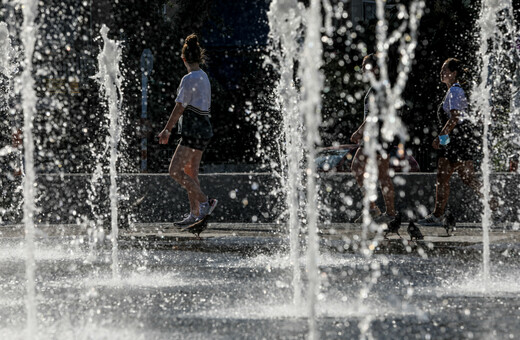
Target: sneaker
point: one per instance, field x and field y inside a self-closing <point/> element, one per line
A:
<point x="431" y="220"/>
<point x="188" y="220"/>
<point x="207" y="208"/>
<point x="373" y="212"/>
<point x="384" y="219"/>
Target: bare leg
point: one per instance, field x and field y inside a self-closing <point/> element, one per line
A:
<point x="444" y="172"/>
<point x="358" y="169"/>
<point x="466" y="173"/>
<point x="192" y="170"/>
<point x="180" y="159"/>
<point x="387" y="187"/>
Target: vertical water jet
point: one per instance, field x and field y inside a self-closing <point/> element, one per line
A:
<point x="310" y="106"/>
<point x="28" y="98"/>
<point x="110" y="79"/>
<point x="285" y="23"/>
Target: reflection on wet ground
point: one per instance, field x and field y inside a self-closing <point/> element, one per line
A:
<point x="180" y="293"/>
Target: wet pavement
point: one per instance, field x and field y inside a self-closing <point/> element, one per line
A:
<point x="236" y="283"/>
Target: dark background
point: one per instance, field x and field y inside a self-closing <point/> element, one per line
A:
<point x="71" y="125"/>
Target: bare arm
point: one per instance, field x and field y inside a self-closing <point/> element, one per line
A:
<point x="174" y="118"/>
<point x="448" y="127"/>
<point x="358" y="135"/>
<point x="451" y="123"/>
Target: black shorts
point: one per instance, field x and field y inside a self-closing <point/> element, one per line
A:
<point x="194" y="143"/>
<point x="458" y="151"/>
<point x="465" y="145"/>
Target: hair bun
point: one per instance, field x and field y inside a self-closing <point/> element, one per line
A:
<point x="192" y="40"/>
<point x="192" y="50"/>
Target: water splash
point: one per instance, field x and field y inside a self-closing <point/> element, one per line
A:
<point x="383" y="106"/>
<point x="110" y="79"/>
<point x="9" y="66"/>
<point x="95" y="231"/>
<point x="302" y="117"/>
<point x="6" y="52"/>
<point x="310" y="105"/>
<point x="514" y="105"/>
<point x="285" y="23"/>
<point x="28" y="98"/>
<point x="387" y="99"/>
<point x="6" y="71"/>
<point x="491" y="50"/>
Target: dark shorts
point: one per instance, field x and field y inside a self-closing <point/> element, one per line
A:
<point x="465" y="145"/>
<point x="457" y="152"/>
<point x="194" y="143"/>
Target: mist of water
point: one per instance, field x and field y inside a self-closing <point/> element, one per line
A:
<point x="110" y="80"/>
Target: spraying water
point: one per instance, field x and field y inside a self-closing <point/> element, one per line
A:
<point x="301" y="113"/>
<point x="487" y="23"/>
<point x="285" y="22"/>
<point x="5" y="51"/>
<point x="28" y="97"/>
<point x="312" y="83"/>
<point x="110" y="79"/>
<point x="383" y="107"/>
<point x="95" y="231"/>
<point x="6" y="71"/>
<point x="387" y="99"/>
<point x="491" y="51"/>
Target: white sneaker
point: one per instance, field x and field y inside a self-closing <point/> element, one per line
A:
<point x="431" y="220"/>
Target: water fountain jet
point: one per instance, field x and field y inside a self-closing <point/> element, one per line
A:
<point x="110" y="80"/>
<point x="28" y="98"/>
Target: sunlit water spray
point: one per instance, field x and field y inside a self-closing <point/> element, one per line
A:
<point x="286" y="19"/>
<point x="6" y="73"/>
<point x="95" y="231"/>
<point x="301" y="119"/>
<point x="387" y="99"/>
<point x="8" y="67"/>
<point x="285" y="23"/>
<point x="491" y="51"/>
<point x="110" y="79"/>
<point x="513" y="28"/>
<point x="28" y="97"/>
<point x="383" y="104"/>
<point x="310" y="106"/>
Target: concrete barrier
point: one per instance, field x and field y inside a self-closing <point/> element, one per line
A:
<point x="243" y="197"/>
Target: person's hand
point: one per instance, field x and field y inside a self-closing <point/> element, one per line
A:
<point x="164" y="136"/>
<point x="436" y="143"/>
<point x="356" y="137"/>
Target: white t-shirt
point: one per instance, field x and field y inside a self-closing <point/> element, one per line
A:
<point x="195" y="90"/>
<point x="456" y="100"/>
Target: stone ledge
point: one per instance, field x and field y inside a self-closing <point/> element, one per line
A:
<point x="243" y="197"/>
